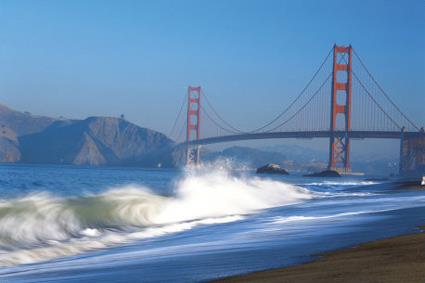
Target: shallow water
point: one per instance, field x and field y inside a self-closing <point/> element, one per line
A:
<point x="125" y="224"/>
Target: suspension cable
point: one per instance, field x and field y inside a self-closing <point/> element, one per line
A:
<point x="236" y="130"/>
<point x="215" y="122"/>
<point x="180" y="133"/>
<point x="297" y="98"/>
<point x="303" y="107"/>
<point x="311" y="98"/>
<point x="177" y="117"/>
<point x="382" y="90"/>
<point x="374" y="101"/>
<point x="219" y="116"/>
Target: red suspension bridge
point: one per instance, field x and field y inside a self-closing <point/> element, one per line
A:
<point x="342" y="101"/>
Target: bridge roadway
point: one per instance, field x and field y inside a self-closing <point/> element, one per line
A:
<point x="304" y="135"/>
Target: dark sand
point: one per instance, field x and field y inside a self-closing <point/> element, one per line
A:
<point x="399" y="259"/>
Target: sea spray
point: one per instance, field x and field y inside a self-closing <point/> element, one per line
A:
<point x="214" y="194"/>
<point x="40" y="226"/>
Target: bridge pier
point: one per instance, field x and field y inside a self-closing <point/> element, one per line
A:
<point x="412" y="154"/>
<point x="193" y="155"/>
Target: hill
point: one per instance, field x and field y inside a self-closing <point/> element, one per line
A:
<point x="23" y="123"/>
<point x="93" y="141"/>
<point x="14" y="124"/>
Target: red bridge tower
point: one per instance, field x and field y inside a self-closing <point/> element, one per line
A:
<point x="193" y="123"/>
<point x="339" y="145"/>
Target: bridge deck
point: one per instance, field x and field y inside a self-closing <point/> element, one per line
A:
<point x="304" y="135"/>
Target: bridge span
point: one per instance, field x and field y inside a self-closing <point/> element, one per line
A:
<point x="304" y="135"/>
<point x="342" y="101"/>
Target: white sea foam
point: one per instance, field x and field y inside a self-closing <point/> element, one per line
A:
<point x="296" y="218"/>
<point x="41" y="227"/>
<point x="343" y="183"/>
<point x="218" y="194"/>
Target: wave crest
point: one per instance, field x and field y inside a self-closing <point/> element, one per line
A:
<point x="41" y="226"/>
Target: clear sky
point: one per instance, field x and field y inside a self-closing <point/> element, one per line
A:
<point x="81" y="58"/>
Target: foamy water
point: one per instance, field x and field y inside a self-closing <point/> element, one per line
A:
<point x="84" y="225"/>
<point x="41" y="226"/>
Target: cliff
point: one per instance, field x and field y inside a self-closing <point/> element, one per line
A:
<point x="93" y="141"/>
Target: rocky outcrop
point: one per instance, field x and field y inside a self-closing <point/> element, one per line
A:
<point x="9" y="146"/>
<point x="12" y="125"/>
<point x="23" y="123"/>
<point x="326" y="173"/>
<point x="271" y="169"/>
<point x="89" y="153"/>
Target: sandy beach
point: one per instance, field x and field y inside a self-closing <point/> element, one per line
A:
<point x="398" y="259"/>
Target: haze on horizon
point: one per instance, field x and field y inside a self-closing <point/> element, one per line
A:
<point x="85" y="58"/>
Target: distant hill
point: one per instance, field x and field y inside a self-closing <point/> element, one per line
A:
<point x="93" y="141"/>
<point x="23" y="123"/>
<point x="14" y="124"/>
<point x="9" y="146"/>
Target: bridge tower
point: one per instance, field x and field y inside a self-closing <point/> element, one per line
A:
<point x="193" y="123"/>
<point x="412" y="154"/>
<point x="339" y="144"/>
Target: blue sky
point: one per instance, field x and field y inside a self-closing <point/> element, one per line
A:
<point x="81" y="58"/>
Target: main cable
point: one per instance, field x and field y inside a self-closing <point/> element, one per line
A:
<point x="374" y="101"/>
<point x="382" y="90"/>
<point x="178" y="115"/>
<point x="304" y="106"/>
<point x="297" y="98"/>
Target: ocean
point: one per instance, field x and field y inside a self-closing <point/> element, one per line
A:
<point x="76" y="224"/>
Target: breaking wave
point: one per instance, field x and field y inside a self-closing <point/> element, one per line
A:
<point x="41" y="226"/>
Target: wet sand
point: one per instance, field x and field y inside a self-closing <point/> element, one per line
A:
<point x="398" y="259"/>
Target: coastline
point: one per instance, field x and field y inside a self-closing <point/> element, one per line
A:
<point x="391" y="260"/>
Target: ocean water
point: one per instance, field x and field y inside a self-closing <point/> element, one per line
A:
<point x="75" y="224"/>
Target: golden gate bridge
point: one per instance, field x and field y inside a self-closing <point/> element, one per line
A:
<point x="342" y="101"/>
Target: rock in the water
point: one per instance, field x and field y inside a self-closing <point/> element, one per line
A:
<point x="411" y="182"/>
<point x="271" y="169"/>
<point x="326" y="173"/>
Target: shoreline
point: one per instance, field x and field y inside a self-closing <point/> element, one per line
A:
<point x="390" y="260"/>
